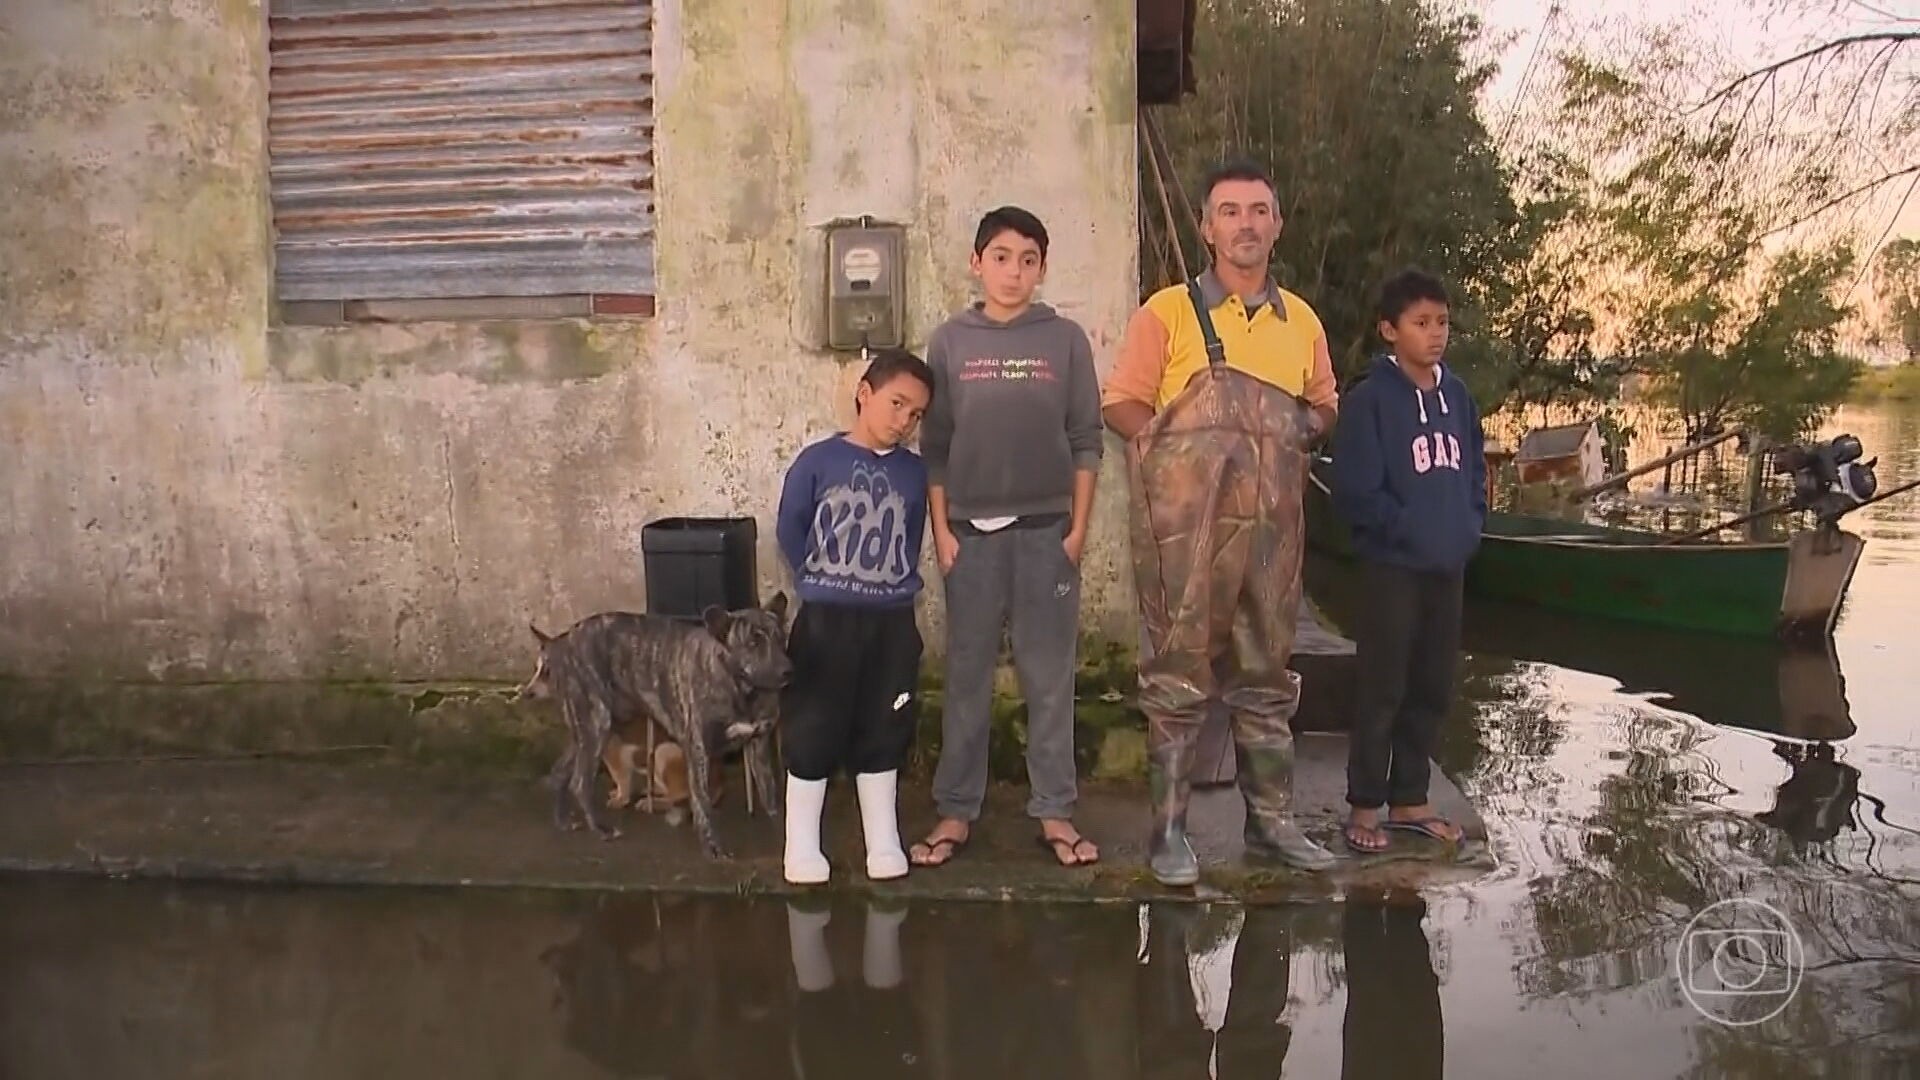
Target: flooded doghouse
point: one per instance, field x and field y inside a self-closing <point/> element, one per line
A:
<point x="1569" y="453"/>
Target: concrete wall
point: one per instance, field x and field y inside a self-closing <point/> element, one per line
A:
<point x="188" y="491"/>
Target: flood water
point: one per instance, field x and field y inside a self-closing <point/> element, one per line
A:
<point x="1629" y="780"/>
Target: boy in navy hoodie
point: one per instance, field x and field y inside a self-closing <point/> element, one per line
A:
<point x="1409" y="479"/>
<point x="853" y="510"/>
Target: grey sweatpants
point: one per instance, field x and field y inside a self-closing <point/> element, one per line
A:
<point x="1020" y="578"/>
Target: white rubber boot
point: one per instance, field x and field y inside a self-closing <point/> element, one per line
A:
<point x="807" y="940"/>
<point x="885" y="858"/>
<point x="880" y="958"/>
<point x="804" y="863"/>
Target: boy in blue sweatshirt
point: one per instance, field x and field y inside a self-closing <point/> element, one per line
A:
<point x="852" y="513"/>
<point x="1409" y="479"/>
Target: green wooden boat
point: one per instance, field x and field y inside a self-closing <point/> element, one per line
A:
<point x="1740" y="589"/>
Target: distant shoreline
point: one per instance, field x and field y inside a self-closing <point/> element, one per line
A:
<point x="1898" y="384"/>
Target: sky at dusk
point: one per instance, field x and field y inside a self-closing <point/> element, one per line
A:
<point x="1753" y="31"/>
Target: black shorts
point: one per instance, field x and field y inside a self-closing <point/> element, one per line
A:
<point x="855" y="698"/>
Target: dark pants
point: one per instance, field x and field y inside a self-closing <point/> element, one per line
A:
<point x="855" y="698"/>
<point x="1255" y="1034"/>
<point x="1408" y="639"/>
<point x="1393" y="1027"/>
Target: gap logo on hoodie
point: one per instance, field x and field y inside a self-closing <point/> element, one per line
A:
<point x="1409" y="471"/>
<point x="1435" y="450"/>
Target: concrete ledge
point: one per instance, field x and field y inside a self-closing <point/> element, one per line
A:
<point x="337" y="824"/>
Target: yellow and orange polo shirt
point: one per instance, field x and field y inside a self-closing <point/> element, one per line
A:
<point x="1276" y="339"/>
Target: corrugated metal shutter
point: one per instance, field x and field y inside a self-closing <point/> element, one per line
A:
<point x="458" y="148"/>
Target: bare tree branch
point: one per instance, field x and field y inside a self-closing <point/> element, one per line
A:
<point x="1870" y="185"/>
<point x="1866" y="264"/>
<point x="1882" y="12"/>
<point x="1897" y="37"/>
<point x="1860" y="85"/>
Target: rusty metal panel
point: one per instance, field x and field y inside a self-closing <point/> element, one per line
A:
<point x="459" y="148"/>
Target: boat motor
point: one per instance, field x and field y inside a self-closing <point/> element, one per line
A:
<point x="1828" y="477"/>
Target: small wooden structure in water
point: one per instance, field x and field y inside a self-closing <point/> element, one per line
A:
<point x="1572" y="452"/>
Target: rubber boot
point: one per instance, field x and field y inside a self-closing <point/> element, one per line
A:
<point x="880" y="954"/>
<point x="807" y="942"/>
<point x="1266" y="783"/>
<point x="1169" y="853"/>
<point x="804" y="863"/>
<point x="886" y="860"/>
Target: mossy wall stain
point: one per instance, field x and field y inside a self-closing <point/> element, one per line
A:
<point x="490" y="351"/>
<point x="459" y="726"/>
<point x="117" y="169"/>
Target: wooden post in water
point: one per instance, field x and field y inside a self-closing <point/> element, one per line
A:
<point x="1757" y="448"/>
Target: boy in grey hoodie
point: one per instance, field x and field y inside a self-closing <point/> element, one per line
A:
<point x="1012" y="445"/>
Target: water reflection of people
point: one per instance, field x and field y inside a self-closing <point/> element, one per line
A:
<point x="684" y="988"/>
<point x="1173" y="1040"/>
<point x="1254" y="1033"/>
<point x="1816" y="800"/>
<point x="844" y="1027"/>
<point x="1393" y="1026"/>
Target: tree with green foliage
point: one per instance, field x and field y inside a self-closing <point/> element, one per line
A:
<point x="1730" y="319"/>
<point x="1537" y="348"/>
<point x="1365" y="113"/>
<point x="1898" y="285"/>
<point x="1768" y="364"/>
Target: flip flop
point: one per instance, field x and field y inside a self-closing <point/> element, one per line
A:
<point x="933" y="844"/>
<point x="1425" y="827"/>
<point x="1055" y="843"/>
<point x="1353" y="830"/>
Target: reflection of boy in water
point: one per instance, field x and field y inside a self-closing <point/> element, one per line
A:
<point x="864" y="1029"/>
<point x="1254" y="1036"/>
<point x="1393" y="1026"/>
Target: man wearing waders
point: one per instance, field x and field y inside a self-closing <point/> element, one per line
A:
<point x="1221" y="385"/>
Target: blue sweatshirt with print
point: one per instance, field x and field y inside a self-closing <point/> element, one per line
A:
<point x="850" y="524"/>
<point x="1409" y="477"/>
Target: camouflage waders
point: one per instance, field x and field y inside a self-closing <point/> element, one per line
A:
<point x="1217" y="479"/>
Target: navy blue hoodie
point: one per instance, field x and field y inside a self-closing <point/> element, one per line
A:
<point x="1409" y="477"/>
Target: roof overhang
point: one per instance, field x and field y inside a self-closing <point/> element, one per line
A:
<point x="1165" y="50"/>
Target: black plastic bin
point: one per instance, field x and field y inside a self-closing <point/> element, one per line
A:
<point x="692" y="563"/>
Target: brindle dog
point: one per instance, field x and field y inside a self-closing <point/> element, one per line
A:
<point x="702" y="686"/>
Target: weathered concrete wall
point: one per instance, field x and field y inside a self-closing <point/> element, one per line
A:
<point x="189" y="492"/>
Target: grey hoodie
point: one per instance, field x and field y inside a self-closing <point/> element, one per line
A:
<point x="1016" y="411"/>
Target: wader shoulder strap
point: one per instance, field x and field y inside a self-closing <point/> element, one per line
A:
<point x="1216" y="352"/>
